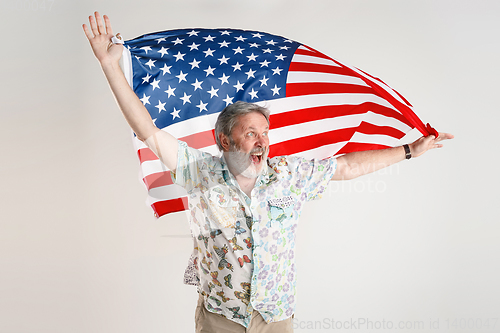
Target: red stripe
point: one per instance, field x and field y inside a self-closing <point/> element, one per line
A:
<point x="357" y="146"/>
<point x="319" y="68"/>
<point x="403" y="108"/>
<point x="200" y="140"/>
<point x="314" y="141"/>
<point x="331" y="111"/>
<point x="157" y="179"/>
<point x="170" y="206"/>
<point x="197" y="140"/>
<point x="146" y="154"/>
<point x="298" y="89"/>
<point x="311" y="52"/>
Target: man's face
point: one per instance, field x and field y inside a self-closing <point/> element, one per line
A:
<point x="247" y="156"/>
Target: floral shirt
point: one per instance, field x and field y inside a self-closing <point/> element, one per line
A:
<point x="244" y="253"/>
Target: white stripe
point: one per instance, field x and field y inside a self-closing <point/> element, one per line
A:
<point x="307" y="77"/>
<point x="167" y="192"/>
<point x="380" y="84"/>
<point x="287" y="104"/>
<point x="313" y="60"/>
<point x="331" y="124"/>
<point x="374" y="139"/>
<point x="375" y="81"/>
<point x="322" y="152"/>
<point x="126" y="66"/>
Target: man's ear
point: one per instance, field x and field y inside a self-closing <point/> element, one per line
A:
<point x="224" y="141"/>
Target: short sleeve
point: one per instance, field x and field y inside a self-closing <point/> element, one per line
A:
<point x="189" y="162"/>
<point x="315" y="175"/>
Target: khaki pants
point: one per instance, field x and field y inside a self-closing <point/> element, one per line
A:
<point x="208" y="322"/>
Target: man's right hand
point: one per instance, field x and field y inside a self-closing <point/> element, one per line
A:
<point x="100" y="40"/>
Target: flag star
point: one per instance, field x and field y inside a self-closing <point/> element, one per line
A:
<point x="209" y="38"/>
<point x="160" y="106"/>
<point x="238" y="50"/>
<point x="146" y="78"/>
<point x="209" y="70"/>
<point x="193" y="46"/>
<point x="277" y="70"/>
<point x="213" y="92"/>
<point x="145" y="99"/>
<point x="223" y="60"/>
<point x="163" y="51"/>
<point x="181" y="77"/>
<point x="257" y="35"/>
<point x="225" y="32"/>
<point x="237" y="67"/>
<point x="138" y="57"/>
<point x="175" y="114"/>
<point x="185" y="98"/>
<point x="250" y="73"/>
<point x="284" y="48"/>
<point x="228" y="100"/>
<point x="288" y="41"/>
<point x="254" y="45"/>
<point x="202" y="106"/>
<point x="268" y="50"/>
<point x="253" y="93"/>
<point x="271" y="42"/>
<point x="155" y="84"/>
<point x="265" y="63"/>
<point x="166" y="69"/>
<point x="197" y="85"/>
<point x="146" y="49"/>
<point x="178" y="41"/>
<point x="209" y="52"/>
<point x="252" y="57"/>
<point x="280" y="57"/>
<point x="170" y="91"/>
<point x="263" y="82"/>
<point x="240" y="39"/>
<point x="151" y="63"/>
<point x="193" y="33"/>
<point x="223" y="79"/>
<point x="162" y="39"/>
<point x="276" y="90"/>
<point x="238" y="86"/>
<point x="154" y="121"/>
<point x="179" y="56"/>
<point x="224" y="44"/>
<point x="195" y="63"/>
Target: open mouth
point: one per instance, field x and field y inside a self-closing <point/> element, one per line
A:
<point x="256" y="157"/>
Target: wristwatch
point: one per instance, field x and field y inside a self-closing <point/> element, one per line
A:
<point x="407" y="151"/>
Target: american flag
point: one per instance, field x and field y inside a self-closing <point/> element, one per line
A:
<point x="319" y="106"/>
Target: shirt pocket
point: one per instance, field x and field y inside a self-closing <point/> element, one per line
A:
<point x="281" y="209"/>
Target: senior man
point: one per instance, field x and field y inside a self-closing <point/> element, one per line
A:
<point x="244" y="207"/>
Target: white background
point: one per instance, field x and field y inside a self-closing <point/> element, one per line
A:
<point x="419" y="242"/>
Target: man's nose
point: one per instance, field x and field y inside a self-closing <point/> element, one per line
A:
<point x="261" y="140"/>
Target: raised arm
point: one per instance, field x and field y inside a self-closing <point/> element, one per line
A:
<point x="108" y="54"/>
<point x="356" y="164"/>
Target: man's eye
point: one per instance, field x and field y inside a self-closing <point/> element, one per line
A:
<point x="264" y="134"/>
<point x="250" y="134"/>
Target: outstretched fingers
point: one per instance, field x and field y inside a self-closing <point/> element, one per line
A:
<point x="108" y="25"/>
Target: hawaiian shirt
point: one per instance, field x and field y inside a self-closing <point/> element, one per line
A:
<point x="244" y="251"/>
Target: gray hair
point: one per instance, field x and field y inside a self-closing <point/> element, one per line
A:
<point x="228" y="118"/>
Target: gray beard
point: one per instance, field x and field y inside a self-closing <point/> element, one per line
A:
<point x="241" y="164"/>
